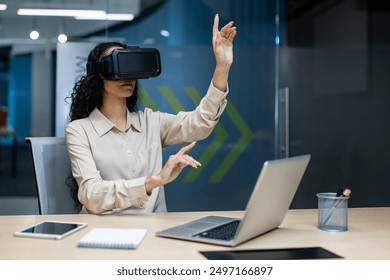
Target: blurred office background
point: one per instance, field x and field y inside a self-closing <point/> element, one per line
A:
<point x="309" y="77"/>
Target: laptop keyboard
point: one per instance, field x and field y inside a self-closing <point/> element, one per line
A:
<point x="223" y="232"/>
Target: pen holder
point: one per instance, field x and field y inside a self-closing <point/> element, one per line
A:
<point x="332" y="212"/>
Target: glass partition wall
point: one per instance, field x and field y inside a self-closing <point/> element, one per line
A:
<point x="309" y="77"/>
<point x="334" y="67"/>
<point x="244" y="138"/>
<point x="233" y="154"/>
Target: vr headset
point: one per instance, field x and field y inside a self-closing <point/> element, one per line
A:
<point x="130" y="63"/>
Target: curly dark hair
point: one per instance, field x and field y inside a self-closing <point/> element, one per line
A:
<point x="87" y="95"/>
<point x="88" y="91"/>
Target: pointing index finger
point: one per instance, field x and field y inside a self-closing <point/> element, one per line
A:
<point x="187" y="148"/>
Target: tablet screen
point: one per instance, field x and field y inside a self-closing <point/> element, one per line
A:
<point x="51" y="229"/>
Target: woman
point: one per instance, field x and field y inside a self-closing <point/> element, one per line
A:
<point x="116" y="150"/>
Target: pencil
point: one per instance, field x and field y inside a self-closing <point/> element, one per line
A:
<point x="346" y="193"/>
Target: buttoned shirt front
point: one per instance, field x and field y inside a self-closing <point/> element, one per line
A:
<point x="110" y="165"/>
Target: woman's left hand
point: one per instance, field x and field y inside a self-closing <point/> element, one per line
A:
<point x="172" y="168"/>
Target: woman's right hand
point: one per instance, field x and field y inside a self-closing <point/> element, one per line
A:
<point x="172" y="168"/>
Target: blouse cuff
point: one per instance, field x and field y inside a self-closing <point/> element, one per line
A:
<point x="215" y="94"/>
<point x="136" y="191"/>
<point x="215" y="101"/>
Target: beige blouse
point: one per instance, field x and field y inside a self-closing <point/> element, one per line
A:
<point x="110" y="165"/>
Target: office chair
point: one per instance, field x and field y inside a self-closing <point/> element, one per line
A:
<point x="52" y="168"/>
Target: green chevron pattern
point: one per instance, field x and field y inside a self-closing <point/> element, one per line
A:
<point x="220" y="133"/>
<point x="147" y="100"/>
<point x="239" y="148"/>
<point x="212" y="148"/>
<point x="171" y="99"/>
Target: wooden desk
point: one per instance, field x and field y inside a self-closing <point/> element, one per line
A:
<point x="368" y="236"/>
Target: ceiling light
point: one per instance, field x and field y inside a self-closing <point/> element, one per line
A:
<point x="62" y="38"/>
<point x="60" y="12"/>
<point x="165" y="33"/>
<point x="121" y="17"/>
<point x="3" y="7"/>
<point x="34" y="35"/>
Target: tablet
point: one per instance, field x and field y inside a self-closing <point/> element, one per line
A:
<point x="305" y="253"/>
<point x="51" y="229"/>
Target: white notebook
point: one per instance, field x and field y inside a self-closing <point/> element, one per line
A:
<point x="115" y="238"/>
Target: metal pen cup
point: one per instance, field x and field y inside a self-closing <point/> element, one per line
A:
<point x="332" y="212"/>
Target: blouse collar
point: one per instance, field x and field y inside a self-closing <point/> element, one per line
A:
<point x="103" y="125"/>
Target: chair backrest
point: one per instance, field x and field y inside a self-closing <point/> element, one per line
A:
<point x="52" y="168"/>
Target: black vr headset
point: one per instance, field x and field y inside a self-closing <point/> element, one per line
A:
<point x="125" y="64"/>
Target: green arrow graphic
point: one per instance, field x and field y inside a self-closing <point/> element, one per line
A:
<point x="171" y="99"/>
<point x="212" y="148"/>
<point x="147" y="100"/>
<point x="219" y="130"/>
<point x="240" y="146"/>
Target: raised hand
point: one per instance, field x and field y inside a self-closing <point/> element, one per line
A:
<point x="223" y="41"/>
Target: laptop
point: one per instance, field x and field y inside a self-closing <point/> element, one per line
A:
<point x="271" y="197"/>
